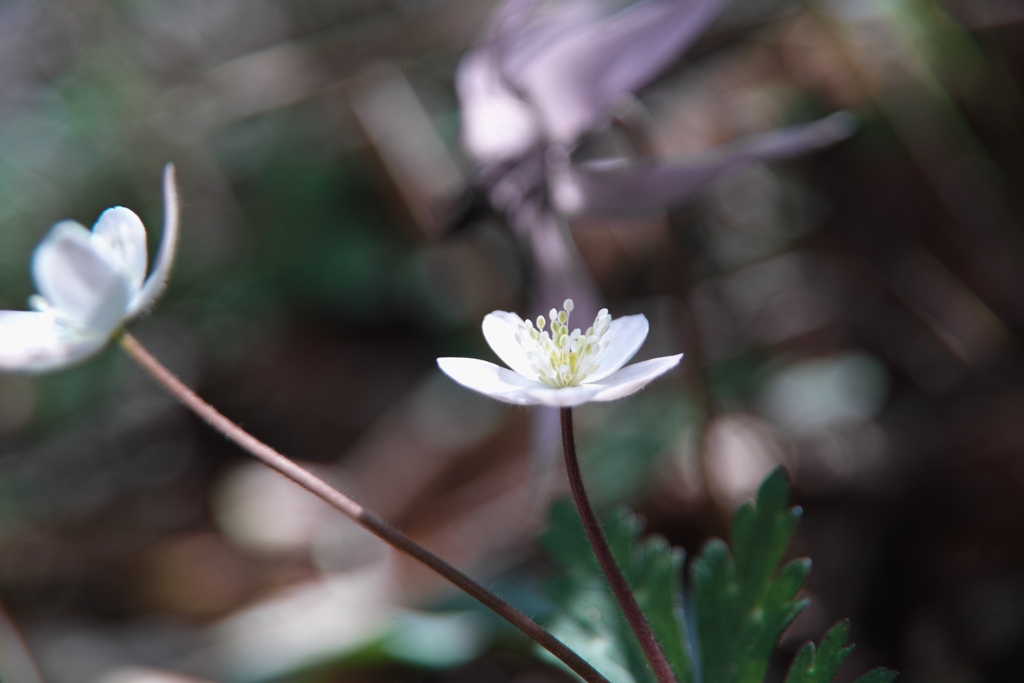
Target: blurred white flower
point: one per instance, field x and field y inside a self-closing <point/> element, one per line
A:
<point x="559" y="368"/>
<point x="90" y="284"/>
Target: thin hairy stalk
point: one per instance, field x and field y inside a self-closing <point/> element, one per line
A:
<point x="16" y="662"/>
<point x="278" y="462"/>
<point x="637" y="620"/>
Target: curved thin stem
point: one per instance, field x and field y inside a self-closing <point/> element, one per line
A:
<point x="16" y="662"/>
<point x="387" y="533"/>
<point x="635" y="617"/>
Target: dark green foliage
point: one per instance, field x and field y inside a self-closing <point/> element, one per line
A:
<point x="590" y="620"/>
<point x="822" y="664"/>
<point x="744" y="603"/>
<point x="879" y="675"/>
<point x="742" y="599"/>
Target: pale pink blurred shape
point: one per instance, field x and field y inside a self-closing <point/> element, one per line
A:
<point x="264" y="513"/>
<point x="134" y="674"/>
<point x="308" y="624"/>
<point x="741" y="451"/>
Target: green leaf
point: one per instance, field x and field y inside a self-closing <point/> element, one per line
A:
<point x="878" y="675"/>
<point x="590" y="620"/>
<point x="821" y="665"/>
<point x="742" y="601"/>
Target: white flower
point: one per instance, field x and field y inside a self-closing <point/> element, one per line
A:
<point x="90" y="284"/>
<point x="558" y="367"/>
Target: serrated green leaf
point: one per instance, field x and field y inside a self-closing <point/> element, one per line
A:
<point x="591" y="621"/>
<point x="802" y="663"/>
<point x="822" y="665"/>
<point x="743" y="601"/>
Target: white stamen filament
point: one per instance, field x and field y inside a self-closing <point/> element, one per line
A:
<point x="559" y="357"/>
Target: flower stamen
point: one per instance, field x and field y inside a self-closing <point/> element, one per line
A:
<point x="559" y="357"/>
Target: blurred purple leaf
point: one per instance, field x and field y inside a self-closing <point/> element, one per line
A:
<point x="627" y="185"/>
<point x="560" y="273"/>
<point x="574" y="80"/>
<point x="552" y="74"/>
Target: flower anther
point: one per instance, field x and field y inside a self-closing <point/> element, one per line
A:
<point x="559" y="357"/>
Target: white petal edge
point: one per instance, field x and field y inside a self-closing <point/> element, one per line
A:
<point x="79" y="282"/>
<point x="165" y="254"/>
<point x="489" y="379"/>
<point x="500" y="328"/>
<point x="37" y="342"/>
<point x="562" y="397"/>
<point x="633" y="378"/>
<point x="625" y="336"/>
<point x="120" y="235"/>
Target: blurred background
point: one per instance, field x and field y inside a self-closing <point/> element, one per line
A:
<point x="855" y="316"/>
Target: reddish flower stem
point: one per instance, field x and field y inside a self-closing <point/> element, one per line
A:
<point x="387" y="533"/>
<point x="635" y="617"/>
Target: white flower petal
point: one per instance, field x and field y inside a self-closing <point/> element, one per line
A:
<point x="632" y="378"/>
<point x="79" y="282"/>
<point x="624" y="337"/>
<point x="121" y="237"/>
<point x="504" y="385"/>
<point x="165" y="255"/>
<point x="561" y="397"/>
<point x="489" y="379"/>
<point x="35" y="342"/>
<point x="500" y="328"/>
